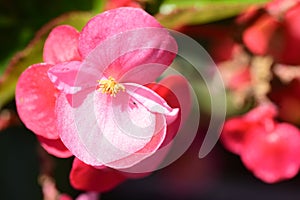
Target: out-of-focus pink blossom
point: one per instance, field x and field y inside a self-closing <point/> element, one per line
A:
<point x="268" y="148"/>
<point x="272" y="153"/>
<point x="258" y="37"/>
<point x="276" y="32"/>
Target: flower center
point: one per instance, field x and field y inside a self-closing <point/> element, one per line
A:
<point x="110" y="86"/>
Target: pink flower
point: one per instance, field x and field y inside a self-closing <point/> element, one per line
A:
<point x="272" y="153"/>
<point x="89" y="97"/>
<point x="268" y="148"/>
<point x="276" y="32"/>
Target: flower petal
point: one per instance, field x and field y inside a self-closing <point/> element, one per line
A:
<point x="35" y="100"/>
<point x="234" y="133"/>
<point x="257" y="37"/>
<point x="63" y="76"/>
<point x="61" y="45"/>
<point x="98" y="126"/>
<point x="176" y="93"/>
<point x="88" y="178"/>
<point x="130" y="56"/>
<point x="68" y="130"/>
<point x="135" y="158"/>
<point x="151" y="100"/>
<point x="54" y="147"/>
<point x="273" y="155"/>
<point x="110" y="23"/>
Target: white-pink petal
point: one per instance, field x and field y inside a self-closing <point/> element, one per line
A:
<point x="151" y="100"/>
<point x="63" y="76"/>
<point x="68" y="129"/>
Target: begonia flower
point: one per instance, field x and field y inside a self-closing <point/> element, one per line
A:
<point x="103" y="95"/>
<point x="276" y="32"/>
<point x="272" y="153"/>
<point x="90" y="97"/>
<point x="268" y="148"/>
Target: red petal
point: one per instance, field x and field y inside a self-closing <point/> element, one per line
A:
<point x="258" y="36"/>
<point x="86" y="177"/>
<point x="54" y="147"/>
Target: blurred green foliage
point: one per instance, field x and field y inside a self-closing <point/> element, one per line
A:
<point x="177" y="13"/>
<point x="19" y="21"/>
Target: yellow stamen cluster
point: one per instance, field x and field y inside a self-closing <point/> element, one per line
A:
<point x="110" y="86"/>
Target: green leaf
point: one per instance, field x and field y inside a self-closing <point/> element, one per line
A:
<point x="176" y="13"/>
<point x="98" y="6"/>
<point x="33" y="53"/>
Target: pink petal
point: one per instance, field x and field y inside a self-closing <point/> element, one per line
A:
<point x="138" y="157"/>
<point x="124" y="127"/>
<point x="63" y="76"/>
<point x="151" y="100"/>
<point x="152" y="162"/>
<point x="179" y="86"/>
<point x="110" y="23"/>
<point x="136" y="72"/>
<point x="61" y="45"/>
<point x="88" y="178"/>
<point x="131" y="56"/>
<point x="54" y="147"/>
<point x="235" y="130"/>
<point x="262" y="112"/>
<point x="35" y="100"/>
<point x="103" y="124"/>
<point x="68" y="130"/>
<point x="273" y="155"/>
